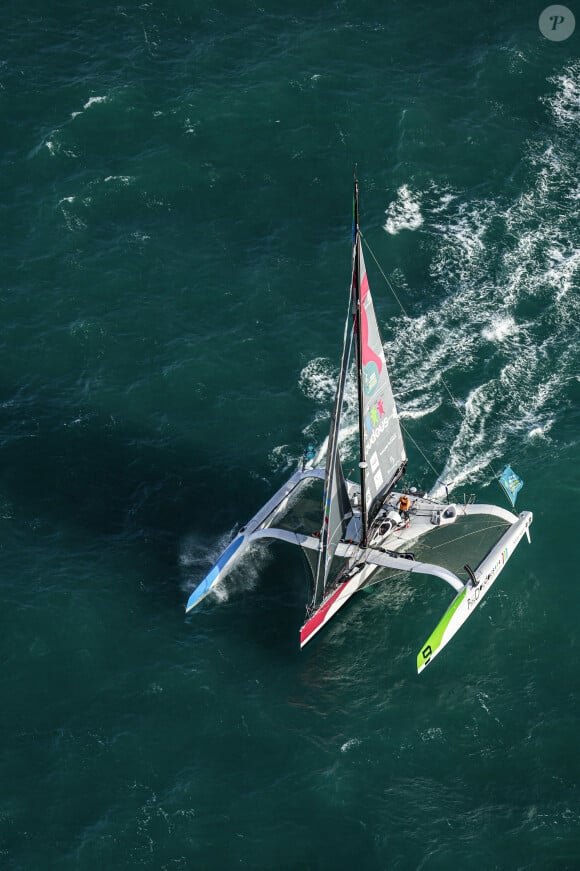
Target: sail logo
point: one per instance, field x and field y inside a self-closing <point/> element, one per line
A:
<point x="487" y="579"/>
<point x="376" y="422"/>
<point x="372" y="364"/>
<point x="370" y="378"/>
<point x="498" y="566"/>
<point x="374" y="416"/>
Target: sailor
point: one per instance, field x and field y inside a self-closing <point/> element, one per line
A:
<point x="404" y="506"/>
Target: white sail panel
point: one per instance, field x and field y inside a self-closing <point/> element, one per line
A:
<point x="383" y="447"/>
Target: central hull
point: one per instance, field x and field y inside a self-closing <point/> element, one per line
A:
<point x="333" y="602"/>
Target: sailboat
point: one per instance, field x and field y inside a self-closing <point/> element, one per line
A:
<point x="369" y="526"/>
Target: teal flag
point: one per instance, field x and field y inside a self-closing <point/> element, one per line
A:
<point x="511" y="483"/>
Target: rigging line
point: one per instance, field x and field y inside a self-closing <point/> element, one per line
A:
<point x="425" y="457"/>
<point x="402" y="307"/>
<point x="379" y="267"/>
<point x="461" y="537"/>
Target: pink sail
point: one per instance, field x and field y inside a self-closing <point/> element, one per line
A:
<point x="382" y="444"/>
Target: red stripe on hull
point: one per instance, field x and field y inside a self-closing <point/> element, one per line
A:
<point x="319" y="617"/>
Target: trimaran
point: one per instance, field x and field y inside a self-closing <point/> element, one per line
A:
<point x="368" y="526"/>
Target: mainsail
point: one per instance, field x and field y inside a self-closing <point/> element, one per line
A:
<point x="382" y="451"/>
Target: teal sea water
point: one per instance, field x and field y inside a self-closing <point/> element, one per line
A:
<point x="175" y="192"/>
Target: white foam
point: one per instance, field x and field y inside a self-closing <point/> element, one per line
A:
<point x="317" y="380"/>
<point x="124" y="179"/>
<point x="500" y="328"/>
<point x="541" y="432"/>
<point x="95" y="100"/>
<point x="54" y="146"/>
<point x="460" y="240"/>
<point x="562" y="274"/>
<point x="564" y="104"/>
<point x="404" y="213"/>
<point x="517" y="59"/>
<point x="469" y="454"/>
<point x="416" y="409"/>
<point x="424" y="349"/>
<point x="458" y="471"/>
<point x="72" y="220"/>
<point x="281" y="458"/>
<point x="445" y="200"/>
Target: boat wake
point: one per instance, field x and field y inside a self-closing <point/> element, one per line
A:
<point x="506" y="319"/>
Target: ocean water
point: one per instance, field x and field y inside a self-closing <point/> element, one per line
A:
<point x="175" y="192"/>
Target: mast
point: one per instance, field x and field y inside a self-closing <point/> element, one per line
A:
<point x="359" y="361"/>
<point x="336" y="507"/>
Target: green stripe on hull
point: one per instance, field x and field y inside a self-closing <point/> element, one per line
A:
<point x="434" y="640"/>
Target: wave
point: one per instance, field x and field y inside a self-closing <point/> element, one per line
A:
<point x="52" y="141"/>
<point x="92" y="100"/>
